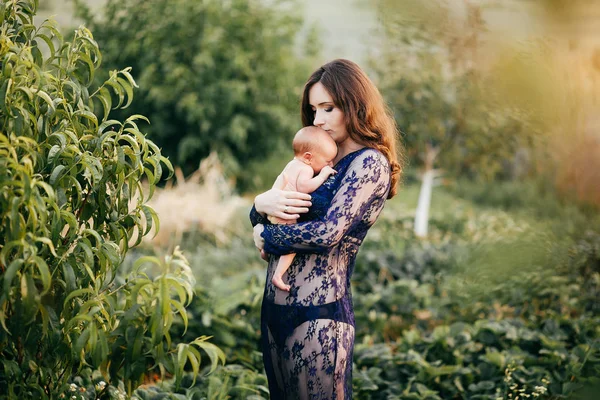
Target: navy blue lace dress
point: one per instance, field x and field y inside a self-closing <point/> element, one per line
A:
<point x="308" y="332"/>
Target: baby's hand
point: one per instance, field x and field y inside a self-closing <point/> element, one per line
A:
<point x="327" y="170"/>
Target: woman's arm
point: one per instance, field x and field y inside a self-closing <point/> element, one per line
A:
<point x="257" y="218"/>
<point x="284" y="204"/>
<point x="365" y="181"/>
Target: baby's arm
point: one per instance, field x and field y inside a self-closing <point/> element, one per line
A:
<point x="307" y="184"/>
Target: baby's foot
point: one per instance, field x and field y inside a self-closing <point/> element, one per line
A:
<point x="280" y="284"/>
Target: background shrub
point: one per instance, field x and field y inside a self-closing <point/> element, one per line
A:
<point x="214" y="76"/>
<point x="67" y="176"/>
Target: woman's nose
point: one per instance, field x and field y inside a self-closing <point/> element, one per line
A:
<point x="318" y="121"/>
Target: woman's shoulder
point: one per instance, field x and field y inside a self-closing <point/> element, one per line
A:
<point x="369" y="156"/>
<point x="369" y="165"/>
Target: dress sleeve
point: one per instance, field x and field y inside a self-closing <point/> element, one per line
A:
<point x="365" y="181"/>
<point x="256" y="218"/>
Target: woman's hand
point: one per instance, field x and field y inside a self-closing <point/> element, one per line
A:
<point x="264" y="255"/>
<point x="283" y="204"/>
<point x="259" y="242"/>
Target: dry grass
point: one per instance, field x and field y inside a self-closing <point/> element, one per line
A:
<point x="205" y="202"/>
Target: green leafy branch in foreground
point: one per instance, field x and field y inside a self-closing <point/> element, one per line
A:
<point x="71" y="204"/>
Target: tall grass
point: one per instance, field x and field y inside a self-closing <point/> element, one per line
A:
<point x="204" y="202"/>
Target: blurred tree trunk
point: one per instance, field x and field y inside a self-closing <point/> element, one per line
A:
<point x="422" y="213"/>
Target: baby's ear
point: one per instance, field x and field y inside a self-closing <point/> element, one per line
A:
<point x="307" y="156"/>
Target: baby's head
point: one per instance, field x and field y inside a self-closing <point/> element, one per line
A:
<point x="315" y="147"/>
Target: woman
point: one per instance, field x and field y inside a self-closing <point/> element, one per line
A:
<point x="308" y="332"/>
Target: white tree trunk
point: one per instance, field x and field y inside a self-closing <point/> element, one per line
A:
<point x="422" y="214"/>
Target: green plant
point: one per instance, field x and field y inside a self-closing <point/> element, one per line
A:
<point x="215" y="75"/>
<point x="489" y="307"/>
<point x="67" y="176"/>
<point x="229" y="382"/>
<point x="430" y="72"/>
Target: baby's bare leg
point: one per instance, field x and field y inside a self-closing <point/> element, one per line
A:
<point x="282" y="265"/>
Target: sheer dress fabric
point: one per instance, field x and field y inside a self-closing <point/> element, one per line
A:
<point x="307" y="334"/>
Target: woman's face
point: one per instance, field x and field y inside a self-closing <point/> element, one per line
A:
<point x="327" y="115"/>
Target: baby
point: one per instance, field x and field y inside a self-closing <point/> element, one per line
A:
<point x="314" y="151"/>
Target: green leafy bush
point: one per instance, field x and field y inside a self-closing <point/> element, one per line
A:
<point x="68" y="175"/>
<point x="229" y="285"/>
<point x="229" y="290"/>
<point x="215" y="75"/>
<point x="229" y="382"/>
<point x="442" y="92"/>
<point x="488" y="307"/>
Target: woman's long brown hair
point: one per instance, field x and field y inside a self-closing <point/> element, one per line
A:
<point x="368" y="120"/>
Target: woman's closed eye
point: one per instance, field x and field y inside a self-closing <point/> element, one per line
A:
<point x="326" y="109"/>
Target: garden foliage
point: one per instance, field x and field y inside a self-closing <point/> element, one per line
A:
<point x="67" y="177"/>
<point x="214" y="75"/>
<point x="485" y="309"/>
<point x="432" y="70"/>
<point x="492" y="305"/>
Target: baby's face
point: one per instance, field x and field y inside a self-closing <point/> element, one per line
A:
<point x="323" y="156"/>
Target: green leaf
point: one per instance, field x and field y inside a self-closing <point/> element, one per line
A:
<point x="17" y="221"/>
<point x="56" y="174"/>
<point x="133" y="144"/>
<point x="108" y="123"/>
<point x="165" y="300"/>
<point x="182" y="356"/>
<point x="166" y="161"/>
<point x="214" y="353"/>
<point x="69" y="276"/>
<point x="11" y="272"/>
<point x="128" y="89"/>
<point x="81" y="342"/>
<point x="106" y="100"/>
<point x="89" y="64"/>
<point x="54" y="153"/>
<point x="157" y="326"/>
<point x="181" y="310"/>
<point x="136" y="117"/>
<point x="121" y="164"/>
<point x="44" y="273"/>
<point x="44" y="96"/>
<point x="116" y="88"/>
<point x="133" y="84"/>
<point x="91" y="232"/>
<point x="89" y="116"/>
<point x="94" y="167"/>
<point x="48" y="42"/>
<point x="77" y="293"/>
<point x="30" y="297"/>
<point x="146" y="259"/>
<point x="45" y="320"/>
<point x="112" y="252"/>
<point x="150" y="215"/>
<point x="8" y="248"/>
<point x="47" y="188"/>
<point x="48" y="243"/>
